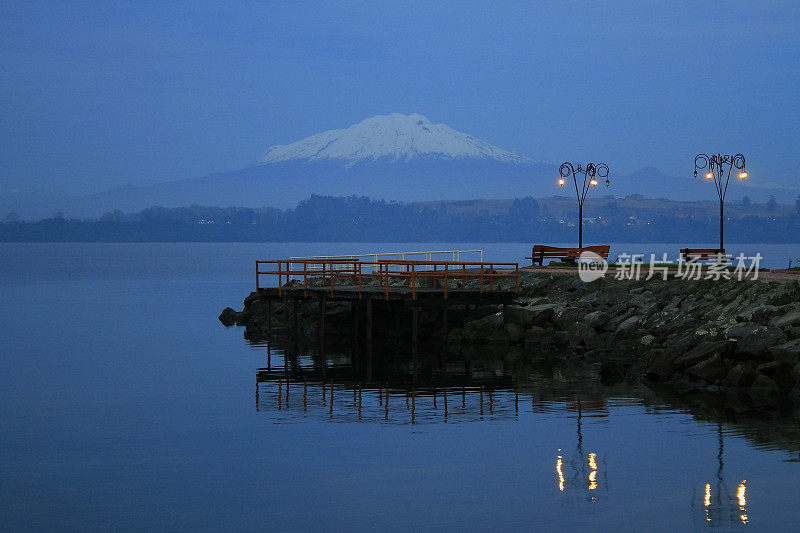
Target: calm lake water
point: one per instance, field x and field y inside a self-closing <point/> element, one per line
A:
<point x="125" y="404"/>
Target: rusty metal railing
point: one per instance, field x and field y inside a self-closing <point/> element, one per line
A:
<point x="425" y="255"/>
<point x="319" y="269"/>
<point x="410" y="272"/>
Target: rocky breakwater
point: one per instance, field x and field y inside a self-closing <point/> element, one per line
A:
<point x="740" y="336"/>
<point x="724" y="336"/>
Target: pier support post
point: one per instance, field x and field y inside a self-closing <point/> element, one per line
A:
<point x="414" y="325"/>
<point x="269" y="321"/>
<point x="368" y="372"/>
<point x="369" y="340"/>
<point x="296" y="318"/>
<point x="321" y="325"/>
<point x="444" y="323"/>
<point x="396" y="325"/>
<point x="356" y="309"/>
<point x="369" y="322"/>
<point x="414" y="336"/>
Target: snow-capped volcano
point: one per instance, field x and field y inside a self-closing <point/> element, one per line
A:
<point x="394" y="157"/>
<point x="394" y="137"/>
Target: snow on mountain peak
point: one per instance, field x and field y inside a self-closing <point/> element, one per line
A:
<point x="396" y="137"/>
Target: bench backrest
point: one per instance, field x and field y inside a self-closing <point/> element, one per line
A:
<point x="702" y="253"/>
<point x="555" y="251"/>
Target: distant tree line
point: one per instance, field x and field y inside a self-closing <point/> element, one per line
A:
<point x="321" y="218"/>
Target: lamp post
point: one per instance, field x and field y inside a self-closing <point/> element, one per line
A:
<point x="590" y="175"/>
<point x="717" y="165"/>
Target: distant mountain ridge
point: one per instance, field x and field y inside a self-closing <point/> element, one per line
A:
<point x="394" y="157"/>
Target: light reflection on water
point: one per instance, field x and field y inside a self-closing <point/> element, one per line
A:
<point x="125" y="405"/>
<point x="441" y="388"/>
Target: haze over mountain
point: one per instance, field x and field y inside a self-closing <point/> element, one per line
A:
<point x="394" y="157"/>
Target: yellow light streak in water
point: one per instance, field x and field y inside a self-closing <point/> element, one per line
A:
<point x="742" y="498"/>
<point x="560" y="472"/>
<point x="593" y="473"/>
<point x="707" y="501"/>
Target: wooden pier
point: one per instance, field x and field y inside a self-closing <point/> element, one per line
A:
<point x="390" y="278"/>
<point x="414" y="284"/>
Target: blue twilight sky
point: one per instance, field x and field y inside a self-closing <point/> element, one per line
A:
<point x="99" y="94"/>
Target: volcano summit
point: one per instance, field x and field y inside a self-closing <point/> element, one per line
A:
<point x="394" y="137"/>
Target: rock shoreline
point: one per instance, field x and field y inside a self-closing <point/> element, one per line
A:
<point x="720" y="336"/>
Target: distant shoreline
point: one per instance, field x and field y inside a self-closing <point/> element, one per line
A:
<point x="360" y="219"/>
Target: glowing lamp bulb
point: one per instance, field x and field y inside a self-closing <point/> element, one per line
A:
<point x="743" y="175"/>
<point x="561" y="182"/>
<point x="592" y="182"/>
<point x="709" y="175"/>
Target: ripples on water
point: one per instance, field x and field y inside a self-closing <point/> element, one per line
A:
<point x="124" y="404"/>
<point x="440" y="388"/>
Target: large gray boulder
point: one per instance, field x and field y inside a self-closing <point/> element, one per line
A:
<point x="788" y="351"/>
<point x="742" y="329"/>
<point x="756" y="344"/>
<point x="779" y="371"/>
<point x="790" y="319"/>
<point x="741" y="375"/>
<point x="612" y="296"/>
<point x="628" y="326"/>
<point x="530" y="283"/>
<point x="709" y="370"/>
<point x="253" y="296"/>
<point x="764" y="388"/>
<point x="541" y="313"/>
<point x="566" y="316"/>
<point x="522" y="316"/>
<point x="661" y="366"/>
<point x="759" y="313"/>
<point x="228" y="317"/>
<point x="701" y="352"/>
<point x="582" y="334"/>
<point x="483" y="327"/>
<point x="667" y="322"/>
<point x="595" y="318"/>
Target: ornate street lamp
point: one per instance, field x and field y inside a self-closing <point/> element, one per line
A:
<point x="590" y="179"/>
<point x="717" y="165"/>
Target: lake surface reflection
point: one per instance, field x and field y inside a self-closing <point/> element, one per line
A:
<point x="301" y="383"/>
<point x="125" y="405"/>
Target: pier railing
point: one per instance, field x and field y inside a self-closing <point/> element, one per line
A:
<point x="384" y="274"/>
<point x="427" y="255"/>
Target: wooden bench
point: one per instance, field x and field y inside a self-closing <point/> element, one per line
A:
<point x="696" y="254"/>
<point x="540" y="253"/>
